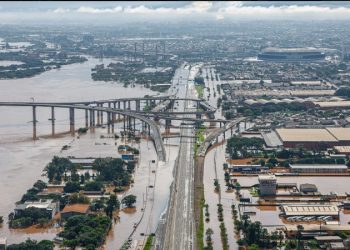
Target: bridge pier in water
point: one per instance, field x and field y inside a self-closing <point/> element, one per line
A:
<point x="34" y="123"/>
<point x="53" y="121"/>
<point x="108" y="122"/>
<point x="138" y="105"/>
<point x="118" y="108"/>
<point x="98" y="115"/>
<point x="86" y="118"/>
<point x="114" y="115"/>
<point x="167" y="125"/>
<point x="92" y="120"/>
<point x="101" y="115"/>
<point x="71" y="121"/>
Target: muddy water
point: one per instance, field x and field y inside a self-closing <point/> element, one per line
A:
<point x="23" y="160"/>
<point x="70" y="83"/>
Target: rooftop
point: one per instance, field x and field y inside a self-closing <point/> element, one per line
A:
<point x="333" y="104"/>
<point x="82" y="160"/>
<point x="327" y="238"/>
<point x="342" y="149"/>
<point x="42" y="204"/>
<point x="293" y="210"/>
<point x="318" y="166"/>
<point x="342" y="134"/>
<point x="267" y="177"/>
<point x="289" y="50"/>
<point x="306" y="135"/>
<point x="78" y="208"/>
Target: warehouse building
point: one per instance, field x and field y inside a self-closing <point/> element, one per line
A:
<point x="318" y="168"/>
<point x="314" y="138"/>
<point x="247" y="168"/>
<point x="310" y="210"/>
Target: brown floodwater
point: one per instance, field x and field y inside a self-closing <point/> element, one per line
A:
<point x="22" y="160"/>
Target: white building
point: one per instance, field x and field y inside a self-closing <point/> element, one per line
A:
<point x="267" y="184"/>
<point x="50" y="206"/>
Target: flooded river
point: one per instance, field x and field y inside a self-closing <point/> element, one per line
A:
<point x="22" y="160"/>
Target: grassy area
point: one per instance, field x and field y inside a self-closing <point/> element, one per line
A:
<point x="200" y="90"/>
<point x="254" y="192"/>
<point x="149" y="241"/>
<point x="199" y="139"/>
<point x="200" y="232"/>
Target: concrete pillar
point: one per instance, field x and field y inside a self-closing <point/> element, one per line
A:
<point x="124" y="123"/>
<point x="98" y="115"/>
<point x="114" y="116"/>
<point x="119" y="109"/>
<point x="101" y="116"/>
<point x="34" y="123"/>
<point x="92" y="120"/>
<point x="129" y="123"/>
<point x="134" y="125"/>
<point x="129" y="106"/>
<point x="71" y="121"/>
<point x="108" y="122"/>
<point x="113" y="122"/>
<point x="53" y="121"/>
<point x="138" y="105"/>
<point x="167" y="123"/>
<point x="86" y="118"/>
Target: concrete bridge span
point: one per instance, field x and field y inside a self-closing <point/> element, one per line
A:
<point x="90" y="112"/>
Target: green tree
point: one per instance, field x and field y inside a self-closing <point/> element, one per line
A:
<point x="129" y="200"/>
<point x="300" y="228"/>
<point x="71" y="187"/>
<point x="112" y="204"/>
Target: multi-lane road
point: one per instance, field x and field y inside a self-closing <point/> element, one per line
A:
<point x="178" y="232"/>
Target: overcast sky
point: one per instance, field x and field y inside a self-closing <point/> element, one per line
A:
<point x="123" y="12"/>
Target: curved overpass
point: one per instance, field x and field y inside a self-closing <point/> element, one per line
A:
<point x="156" y="135"/>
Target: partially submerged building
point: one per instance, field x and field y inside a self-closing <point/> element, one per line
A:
<point x="318" y="168"/>
<point x="267" y="185"/>
<point x="49" y="206"/>
<point x="310" y="210"/>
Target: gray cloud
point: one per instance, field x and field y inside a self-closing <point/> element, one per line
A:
<point x="205" y="10"/>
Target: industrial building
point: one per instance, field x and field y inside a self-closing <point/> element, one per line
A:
<point x="342" y="149"/>
<point x="267" y="185"/>
<point x="247" y="168"/>
<point x="312" y="138"/>
<point x="308" y="188"/>
<point x="310" y="210"/>
<point x="291" y="54"/>
<point x="318" y="168"/>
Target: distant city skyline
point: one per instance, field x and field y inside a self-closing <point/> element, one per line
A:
<point x="125" y="12"/>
